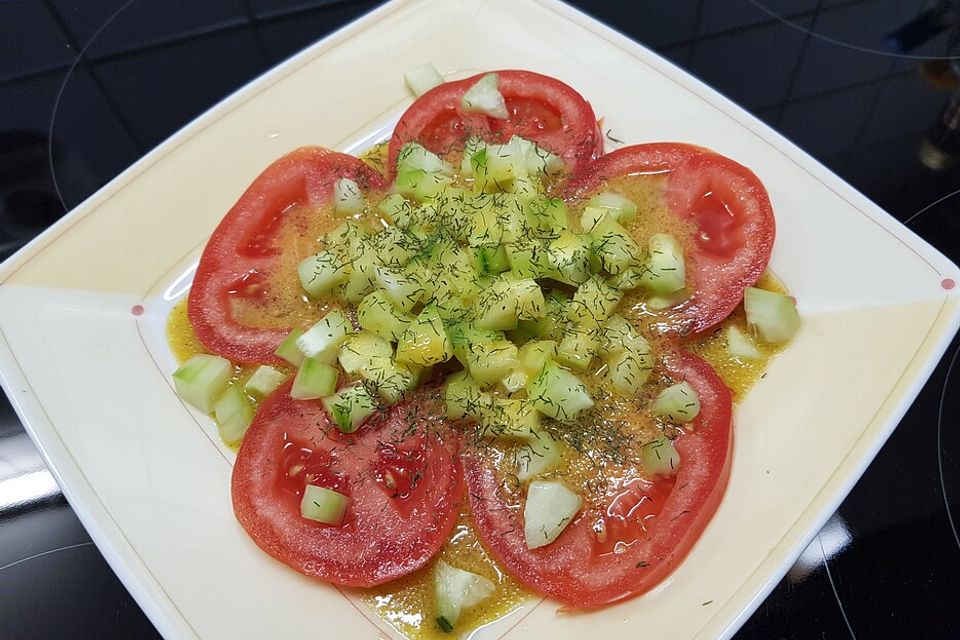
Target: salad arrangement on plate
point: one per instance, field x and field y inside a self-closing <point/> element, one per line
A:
<point x="491" y="331"/>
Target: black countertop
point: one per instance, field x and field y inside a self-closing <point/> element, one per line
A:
<point x="88" y="86"/>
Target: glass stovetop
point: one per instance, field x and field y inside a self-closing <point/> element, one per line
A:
<point x="89" y="86"/>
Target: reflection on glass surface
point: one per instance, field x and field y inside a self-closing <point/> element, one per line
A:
<point x="25" y="482"/>
<point x="832" y="539"/>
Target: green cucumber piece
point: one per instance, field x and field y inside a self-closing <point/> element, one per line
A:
<point x="323" y="505"/>
<point x="622" y="208"/>
<point x="425" y="341"/>
<point x="549" y="508"/>
<point x="378" y="316"/>
<point x="421" y="79"/>
<point x="569" y="258"/>
<point x="558" y="393"/>
<point x="618" y="335"/>
<point x="628" y="370"/>
<point x="321" y="273"/>
<point x="360" y="349"/>
<point x="530" y="258"/>
<point x="741" y="346"/>
<point x="665" y="271"/>
<point x="593" y="302"/>
<point x="403" y="289"/>
<point x="577" y="348"/>
<point x="510" y="419"/>
<point x="616" y="248"/>
<point x="264" y="381"/>
<point x="413" y="156"/>
<point x="314" y="379"/>
<point x="347" y="197"/>
<point x="420" y="185"/>
<point x="538" y="456"/>
<point x="485" y="97"/>
<point x="677" y="403"/>
<point x="771" y="316"/>
<point x="396" y="210"/>
<point x="535" y="354"/>
<point x="490" y="260"/>
<point x="491" y="362"/>
<point x="472" y="145"/>
<point x="464" y="398"/>
<point x="548" y="215"/>
<point x="350" y="406"/>
<point x="456" y="590"/>
<point x="201" y="379"/>
<point x="322" y="341"/>
<point x="660" y="457"/>
<point x="288" y="349"/>
<point x="234" y="412"/>
<point x="515" y="380"/>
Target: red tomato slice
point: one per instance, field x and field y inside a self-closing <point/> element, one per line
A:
<point x="405" y="485"/>
<point x="542" y="109"/>
<point x="240" y="253"/>
<point x="660" y="519"/>
<point x="731" y="212"/>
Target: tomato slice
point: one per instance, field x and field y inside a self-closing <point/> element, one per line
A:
<point x="658" y="521"/>
<point x="731" y="213"/>
<point x="400" y="471"/>
<point x="542" y="109"/>
<point x="242" y="251"/>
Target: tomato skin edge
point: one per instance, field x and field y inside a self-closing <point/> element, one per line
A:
<point x="554" y="572"/>
<point x="686" y="166"/>
<point x="303" y="176"/>
<point x="379" y="545"/>
<point x="587" y="142"/>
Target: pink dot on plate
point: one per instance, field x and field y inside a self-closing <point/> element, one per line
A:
<point x="137" y="310"/>
<point x="948" y="283"/>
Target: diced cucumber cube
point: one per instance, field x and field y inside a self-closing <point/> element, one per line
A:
<point x="347" y="197"/>
<point x="665" y="272"/>
<point x="593" y="302"/>
<point x="558" y="393"/>
<point x="264" y="381"/>
<point x="234" y="413"/>
<point x="360" y="349"/>
<point x="362" y="277"/>
<point x="622" y="208"/>
<point x="658" y="302"/>
<point x="414" y="156"/>
<point x="485" y="97"/>
<point x="569" y="258"/>
<point x="464" y="398"/>
<point x="455" y="591"/>
<point x="628" y="370"/>
<point x="490" y="260"/>
<point x="396" y="210"/>
<point x="288" y="349"/>
<point x="538" y="456"/>
<point x="403" y="290"/>
<point x="378" y="316"/>
<point x="201" y="379"/>
<point x="629" y="278"/>
<point x="498" y="307"/>
<point x="619" y="335"/>
<point x="322" y="341"/>
<point x="548" y="214"/>
<point x="321" y="273"/>
<point x="539" y="161"/>
<point x="660" y="457"/>
<point x="423" y="78"/>
<point x="515" y="380"/>
<point x="393" y="380"/>
<point x="350" y="406"/>
<point x="464" y="339"/>
<point x="549" y="508"/>
<point x="615" y="247"/>
<point x="577" y="348"/>
<point x="590" y="216"/>
<point x="491" y="362"/>
<point x="535" y="354"/>
<point x="742" y="346"/>
<point x="425" y="341"/>
<point x="510" y="419"/>
<point x="677" y="403"/>
<point x="323" y="505"/>
<point x="771" y="316"/>
<point x="420" y="185"/>
<point x="530" y="301"/>
<point x="394" y="247"/>
<point x="530" y="258"/>
<point x="470" y="147"/>
<point x="314" y="379"/>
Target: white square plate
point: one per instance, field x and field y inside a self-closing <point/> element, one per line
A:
<point x="84" y="358"/>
